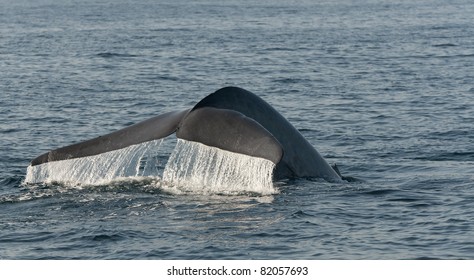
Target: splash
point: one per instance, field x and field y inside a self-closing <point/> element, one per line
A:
<point x="195" y="167"/>
<point x="139" y="160"/>
<point x="191" y="167"/>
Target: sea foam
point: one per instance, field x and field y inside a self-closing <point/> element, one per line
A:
<point x="195" y="167"/>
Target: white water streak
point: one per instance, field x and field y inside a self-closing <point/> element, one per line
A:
<point x="196" y="167"/>
<point x="192" y="167"/>
<point x="133" y="161"/>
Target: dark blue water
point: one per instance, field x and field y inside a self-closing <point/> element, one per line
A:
<point x="385" y="89"/>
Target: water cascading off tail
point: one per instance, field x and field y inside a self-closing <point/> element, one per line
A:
<point x="133" y="161"/>
<point x="195" y="167"/>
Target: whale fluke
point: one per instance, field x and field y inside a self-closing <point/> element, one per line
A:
<point x="151" y="129"/>
<point x="231" y="119"/>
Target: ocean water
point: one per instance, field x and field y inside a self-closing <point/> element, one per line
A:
<point x="384" y="89"/>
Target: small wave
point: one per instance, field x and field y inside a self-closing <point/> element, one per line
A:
<point x="26" y="237"/>
<point x="462" y="55"/>
<point x="446" y="45"/>
<point x="301" y="214"/>
<point x="403" y="199"/>
<point x="112" y="54"/>
<point x="427" y="258"/>
<point x="449" y="156"/>
<point x="381" y="192"/>
<point x="289" y="81"/>
<point x="168" y="78"/>
<point x="271" y="49"/>
<point x="172" y="29"/>
<point x="106" y="237"/>
<point x="10" y="181"/>
<point x="10" y="130"/>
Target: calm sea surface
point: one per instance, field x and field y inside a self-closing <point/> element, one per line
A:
<point x="385" y="89"/>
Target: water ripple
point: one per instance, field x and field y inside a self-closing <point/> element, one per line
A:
<point x="389" y="101"/>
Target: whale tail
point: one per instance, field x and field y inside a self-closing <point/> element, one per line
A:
<point x="231" y="119"/>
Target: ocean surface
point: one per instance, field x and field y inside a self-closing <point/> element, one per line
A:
<point x="384" y="89"/>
